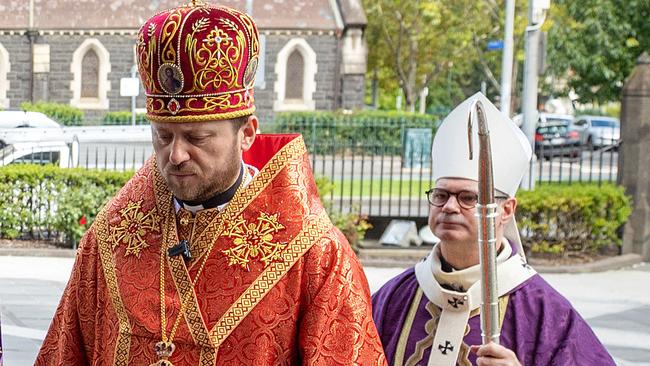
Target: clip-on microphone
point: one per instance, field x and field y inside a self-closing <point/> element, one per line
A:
<point x="182" y="248"/>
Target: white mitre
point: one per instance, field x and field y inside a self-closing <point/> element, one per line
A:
<point x="511" y="151"/>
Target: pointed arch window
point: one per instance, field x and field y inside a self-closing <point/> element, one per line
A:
<point x="90" y="68"/>
<point x="90" y="75"/>
<point x="295" y="76"/>
<point x="296" y="69"/>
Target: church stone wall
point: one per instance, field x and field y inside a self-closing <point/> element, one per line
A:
<point x="353" y="91"/>
<point x="17" y="47"/>
<point x="55" y="86"/>
<point x="325" y="47"/>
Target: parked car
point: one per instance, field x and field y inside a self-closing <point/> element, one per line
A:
<point x="32" y="127"/>
<point x="553" y="135"/>
<point x="556" y="138"/>
<point x="20" y="119"/>
<point x="47" y="152"/>
<point x="598" y="131"/>
<point x="545" y="118"/>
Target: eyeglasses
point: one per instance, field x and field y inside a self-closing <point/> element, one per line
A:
<point x="466" y="199"/>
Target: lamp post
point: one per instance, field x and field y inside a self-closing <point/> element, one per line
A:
<point x="506" y="63"/>
<point x="536" y="15"/>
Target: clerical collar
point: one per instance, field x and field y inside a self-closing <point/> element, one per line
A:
<point x="218" y="200"/>
<point x="461" y="280"/>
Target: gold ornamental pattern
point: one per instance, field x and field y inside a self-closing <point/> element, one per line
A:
<point x="133" y="227"/>
<point x="193" y="319"/>
<point x="254" y="240"/>
<point x="104" y="239"/>
<point x="215" y="53"/>
<point x="204" y="57"/>
<point x="217" y="61"/>
<point x="314" y="231"/>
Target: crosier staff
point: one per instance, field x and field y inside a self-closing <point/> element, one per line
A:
<point x="486" y="213"/>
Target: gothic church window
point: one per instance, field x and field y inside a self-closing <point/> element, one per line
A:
<point x="295" y="76"/>
<point x="90" y="75"/>
<point x="90" y="68"/>
<point x="296" y="69"/>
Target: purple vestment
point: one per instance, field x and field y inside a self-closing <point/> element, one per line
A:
<point x="540" y="325"/>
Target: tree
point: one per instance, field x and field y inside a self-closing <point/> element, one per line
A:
<point x="593" y="46"/>
<point x="416" y="40"/>
<point x="439" y="44"/>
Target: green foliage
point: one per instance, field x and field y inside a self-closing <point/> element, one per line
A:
<point x="62" y="113"/>
<point x="610" y="110"/>
<point x="595" y="43"/>
<point x="572" y="218"/>
<point x="411" y="42"/>
<point x="440" y="45"/>
<point x="364" y="131"/>
<point x="124" y="118"/>
<point x="37" y="200"/>
<point x="353" y="224"/>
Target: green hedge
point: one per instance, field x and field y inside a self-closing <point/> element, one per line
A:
<point x="62" y="113"/>
<point x="124" y="118"/>
<point x="364" y="131"/>
<point x="41" y="201"/>
<point x="353" y="224"/>
<point x="563" y="219"/>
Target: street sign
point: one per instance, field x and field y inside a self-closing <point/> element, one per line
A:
<point x="495" y="45"/>
<point x="129" y="87"/>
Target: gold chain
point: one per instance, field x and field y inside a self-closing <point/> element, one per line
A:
<point x="184" y="299"/>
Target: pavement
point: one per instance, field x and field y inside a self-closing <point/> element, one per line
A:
<point x="613" y="302"/>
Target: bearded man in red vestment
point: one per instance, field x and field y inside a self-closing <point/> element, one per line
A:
<point x="218" y="251"/>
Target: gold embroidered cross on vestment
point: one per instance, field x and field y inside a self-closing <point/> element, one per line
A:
<point x="135" y="224"/>
<point x="254" y="240"/>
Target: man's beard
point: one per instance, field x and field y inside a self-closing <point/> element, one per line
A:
<point x="219" y="182"/>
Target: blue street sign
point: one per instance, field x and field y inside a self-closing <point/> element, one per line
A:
<point x="495" y="45"/>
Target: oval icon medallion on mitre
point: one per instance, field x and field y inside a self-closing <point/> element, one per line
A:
<point x="170" y="78"/>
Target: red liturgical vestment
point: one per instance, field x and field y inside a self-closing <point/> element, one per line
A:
<point x="271" y="281"/>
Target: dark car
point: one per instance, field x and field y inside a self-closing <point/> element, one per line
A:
<point x="556" y="138"/>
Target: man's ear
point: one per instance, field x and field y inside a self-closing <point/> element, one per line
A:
<point x="249" y="130"/>
<point x="508" y="210"/>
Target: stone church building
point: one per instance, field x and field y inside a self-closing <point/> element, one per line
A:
<point x="313" y="53"/>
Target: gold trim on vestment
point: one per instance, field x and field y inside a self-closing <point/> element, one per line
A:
<point x="123" y="342"/>
<point x="430" y="328"/>
<point x="406" y="328"/>
<point x="208" y="356"/>
<point x="193" y="317"/>
<point x="317" y="227"/>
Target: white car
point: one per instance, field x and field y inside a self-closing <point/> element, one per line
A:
<point x="32" y="137"/>
<point x="47" y="152"/>
<point x="22" y="119"/>
<point x="598" y="131"/>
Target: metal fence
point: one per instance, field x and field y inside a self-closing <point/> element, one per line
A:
<point x="378" y="176"/>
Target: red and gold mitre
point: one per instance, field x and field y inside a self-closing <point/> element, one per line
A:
<point x="197" y="63"/>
